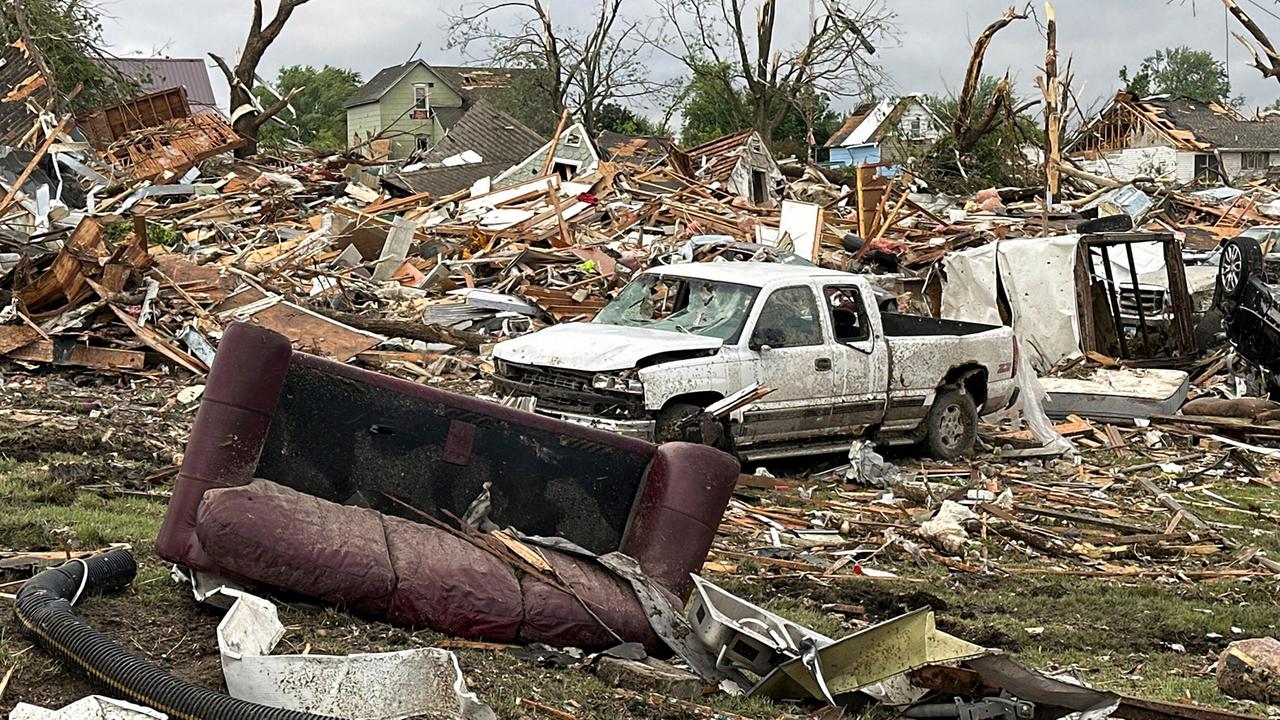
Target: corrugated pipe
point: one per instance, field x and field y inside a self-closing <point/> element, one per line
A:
<point x="44" y="612"/>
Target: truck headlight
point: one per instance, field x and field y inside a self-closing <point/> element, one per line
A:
<point x="617" y="384"/>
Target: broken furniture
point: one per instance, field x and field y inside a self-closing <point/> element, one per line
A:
<point x="1112" y="296"/>
<point x="1116" y="394"/>
<point x="338" y="452"/>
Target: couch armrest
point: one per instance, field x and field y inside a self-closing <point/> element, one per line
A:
<point x="674" y="520"/>
<point x="230" y="429"/>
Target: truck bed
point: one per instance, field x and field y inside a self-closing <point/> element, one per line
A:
<point x="899" y="325"/>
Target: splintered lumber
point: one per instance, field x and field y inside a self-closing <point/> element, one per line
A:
<point x="1164" y="498"/>
<point x="31" y="166"/>
<point x="93" y="357"/>
<point x="13" y="337"/>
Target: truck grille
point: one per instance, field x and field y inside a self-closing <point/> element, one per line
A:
<point x="568" y="391"/>
<point x="1152" y="300"/>
<point x="549" y="377"/>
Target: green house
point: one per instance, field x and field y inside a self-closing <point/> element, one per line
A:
<point x="413" y="105"/>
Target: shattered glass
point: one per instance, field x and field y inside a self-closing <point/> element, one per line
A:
<point x="695" y="307"/>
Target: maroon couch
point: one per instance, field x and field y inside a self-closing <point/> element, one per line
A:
<point x="333" y="445"/>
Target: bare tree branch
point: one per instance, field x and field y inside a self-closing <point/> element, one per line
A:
<point x="1270" y="68"/>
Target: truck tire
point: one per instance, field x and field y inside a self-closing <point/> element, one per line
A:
<point x="675" y="424"/>
<point x="952" y="425"/>
<point x="1241" y="258"/>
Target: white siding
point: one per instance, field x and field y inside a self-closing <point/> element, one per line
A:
<point x="1161" y="163"/>
<point x="1231" y="162"/>
<point x="928" y="128"/>
<point x="1186" y="167"/>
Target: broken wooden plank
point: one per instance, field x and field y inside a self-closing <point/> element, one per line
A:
<point x="73" y="353"/>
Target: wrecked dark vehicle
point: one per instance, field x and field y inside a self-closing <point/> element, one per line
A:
<point x="322" y="479"/>
<point x="1250" y="308"/>
<point x="682" y="337"/>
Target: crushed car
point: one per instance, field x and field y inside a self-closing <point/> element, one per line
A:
<point x="682" y="337"/>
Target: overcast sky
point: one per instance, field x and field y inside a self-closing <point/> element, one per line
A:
<point x="929" y="55"/>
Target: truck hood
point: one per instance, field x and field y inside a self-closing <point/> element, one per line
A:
<point x="592" y="347"/>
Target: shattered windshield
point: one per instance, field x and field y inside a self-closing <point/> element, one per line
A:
<point x="696" y="307"/>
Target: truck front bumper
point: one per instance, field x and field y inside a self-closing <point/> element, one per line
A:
<point x="640" y="429"/>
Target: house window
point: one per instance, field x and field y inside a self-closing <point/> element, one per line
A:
<point x="566" y="169"/>
<point x="1206" y="167"/>
<point x="1253" y="161"/>
<point x="759" y="187"/>
<point x="421" y="101"/>
<point x="917" y="128"/>
<point x="572" y="140"/>
<point x="424" y="143"/>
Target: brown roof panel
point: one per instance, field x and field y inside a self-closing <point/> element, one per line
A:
<point x="714" y="161"/>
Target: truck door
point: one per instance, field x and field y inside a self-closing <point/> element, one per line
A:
<point x="792" y="356"/>
<point x="861" y="367"/>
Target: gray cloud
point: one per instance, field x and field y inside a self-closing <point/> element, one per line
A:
<point x="929" y="56"/>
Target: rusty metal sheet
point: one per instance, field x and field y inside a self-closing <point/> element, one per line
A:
<point x="28" y="93"/>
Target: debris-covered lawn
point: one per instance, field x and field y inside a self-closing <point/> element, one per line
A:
<point x="91" y="464"/>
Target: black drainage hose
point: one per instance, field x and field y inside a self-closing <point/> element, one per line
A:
<point x="44" y="612"/>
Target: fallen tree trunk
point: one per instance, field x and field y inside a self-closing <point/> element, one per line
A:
<point x="408" y="330"/>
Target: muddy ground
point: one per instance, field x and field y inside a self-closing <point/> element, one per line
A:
<point x="85" y="461"/>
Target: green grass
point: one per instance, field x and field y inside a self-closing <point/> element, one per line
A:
<point x="42" y="512"/>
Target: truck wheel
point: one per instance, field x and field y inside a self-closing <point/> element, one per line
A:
<point x="1241" y="258"/>
<point x="676" y="423"/>
<point x="952" y="425"/>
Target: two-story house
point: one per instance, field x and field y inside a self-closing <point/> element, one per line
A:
<point x="413" y="105"/>
<point x="889" y="131"/>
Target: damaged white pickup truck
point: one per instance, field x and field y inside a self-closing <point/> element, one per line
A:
<point x="679" y="338"/>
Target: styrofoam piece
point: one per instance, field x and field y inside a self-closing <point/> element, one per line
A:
<point x="361" y="686"/>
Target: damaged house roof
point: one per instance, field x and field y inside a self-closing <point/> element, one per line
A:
<point x="497" y="138"/>
<point x="714" y="161"/>
<point x="472" y="83"/>
<point x="871" y="121"/>
<point x="1185" y="124"/>
<point x="155" y="74"/>
<point x="640" y="150"/>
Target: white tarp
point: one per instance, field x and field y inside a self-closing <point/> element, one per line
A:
<point x="1038" y="275"/>
<point x="363" y="686"/>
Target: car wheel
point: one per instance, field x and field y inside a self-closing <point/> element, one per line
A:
<point x="952" y="425"/>
<point x="1241" y="258"/>
<point x="677" y="423"/>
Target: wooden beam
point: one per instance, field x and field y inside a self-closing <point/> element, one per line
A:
<point x="31" y="166"/>
<point x="42" y="351"/>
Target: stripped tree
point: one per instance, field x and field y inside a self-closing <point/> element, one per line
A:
<point x="248" y="115"/>
<point x="572" y="68"/>
<point x="759" y="81"/>
<point x="968" y="125"/>
<point x="1268" y="66"/>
